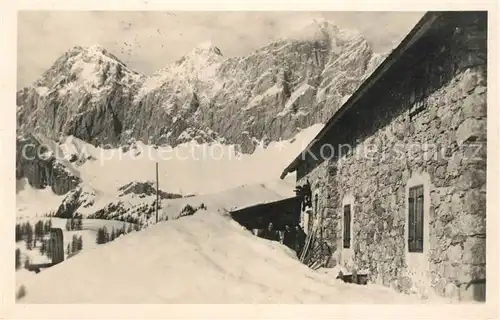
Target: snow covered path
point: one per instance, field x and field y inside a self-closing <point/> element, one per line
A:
<point x="205" y="258"/>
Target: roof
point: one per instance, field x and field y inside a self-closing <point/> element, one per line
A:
<point x="280" y="213"/>
<point x="264" y="204"/>
<point x="423" y="25"/>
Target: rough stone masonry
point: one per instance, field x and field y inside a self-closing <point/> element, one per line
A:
<point x="442" y="146"/>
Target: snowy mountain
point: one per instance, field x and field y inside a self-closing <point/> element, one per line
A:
<point x="83" y="94"/>
<point x="272" y="93"/>
<point x="91" y="131"/>
<point x="104" y="125"/>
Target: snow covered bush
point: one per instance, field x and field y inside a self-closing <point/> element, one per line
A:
<point x="188" y="210"/>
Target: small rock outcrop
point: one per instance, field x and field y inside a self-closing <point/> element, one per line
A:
<point x="37" y="161"/>
<point x="146" y="189"/>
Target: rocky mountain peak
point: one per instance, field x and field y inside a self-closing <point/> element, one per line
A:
<point x="84" y="68"/>
<point x="206" y="48"/>
<point x="196" y="69"/>
<point x="271" y="93"/>
<point x="95" y="53"/>
<point x="204" y="56"/>
<point x="322" y="29"/>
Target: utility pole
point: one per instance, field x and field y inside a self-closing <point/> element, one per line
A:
<point x="157" y="192"/>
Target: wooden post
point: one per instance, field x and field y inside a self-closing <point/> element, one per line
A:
<point x="157" y="204"/>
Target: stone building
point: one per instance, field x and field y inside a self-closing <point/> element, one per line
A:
<point x="398" y="174"/>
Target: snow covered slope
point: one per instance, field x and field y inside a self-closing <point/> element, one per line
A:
<point x="188" y="169"/>
<point x="32" y="202"/>
<point x="204" y="258"/>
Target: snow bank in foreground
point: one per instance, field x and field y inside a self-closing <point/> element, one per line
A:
<point x="205" y="258"/>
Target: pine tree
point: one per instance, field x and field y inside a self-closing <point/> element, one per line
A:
<point x="24" y="229"/>
<point x="18" y="258"/>
<point x="78" y="223"/>
<point x="72" y="224"/>
<point x="101" y="237"/>
<point x="39" y="226"/>
<point x="36" y="230"/>
<point x="80" y="243"/>
<point x="48" y="226"/>
<point x="106" y="234"/>
<point x="29" y="236"/>
<point x="43" y="247"/>
<point x="68" y="225"/>
<point x="48" y="250"/>
<point x="74" y="243"/>
<point x="98" y="238"/>
<point x="19" y="233"/>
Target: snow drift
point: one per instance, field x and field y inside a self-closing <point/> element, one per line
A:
<point x="204" y="258"/>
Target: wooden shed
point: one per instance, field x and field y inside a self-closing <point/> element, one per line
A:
<point x="280" y="213"/>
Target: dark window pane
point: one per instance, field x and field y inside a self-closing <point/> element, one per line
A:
<point x="415" y="219"/>
<point x="347" y="226"/>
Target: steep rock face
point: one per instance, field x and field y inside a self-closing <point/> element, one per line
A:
<point x="287" y="86"/>
<point x="268" y="95"/>
<point x="37" y="161"/>
<point x="166" y="107"/>
<point x="79" y="198"/>
<point x="83" y="94"/>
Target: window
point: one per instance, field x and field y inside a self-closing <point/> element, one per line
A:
<point x="347" y="226"/>
<point x="416" y="219"/>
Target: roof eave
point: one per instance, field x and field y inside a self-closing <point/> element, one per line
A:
<point x="423" y="24"/>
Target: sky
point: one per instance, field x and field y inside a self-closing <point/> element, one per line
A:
<point x="149" y="40"/>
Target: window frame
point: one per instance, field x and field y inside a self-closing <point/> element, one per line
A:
<point x="316" y="204"/>
<point x="347" y="226"/>
<point x="415" y="212"/>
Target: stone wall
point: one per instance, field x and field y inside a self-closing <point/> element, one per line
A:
<point x="443" y="148"/>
